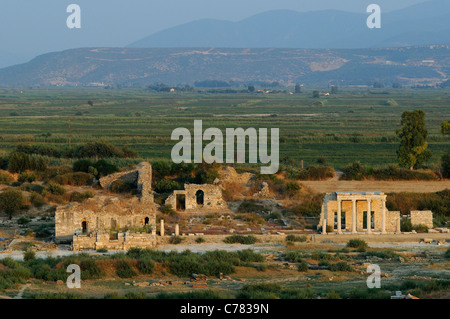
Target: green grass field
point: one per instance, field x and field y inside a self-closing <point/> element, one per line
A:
<point x="356" y="124"/>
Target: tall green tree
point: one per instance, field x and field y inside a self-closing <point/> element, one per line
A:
<point x="413" y="151"/>
<point x="11" y="200"/>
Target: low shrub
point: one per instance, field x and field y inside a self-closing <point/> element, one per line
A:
<point x="359" y="244"/>
<point x="199" y="240"/>
<point x="81" y="197"/>
<point x="302" y="266"/>
<point x="420" y="228"/>
<point x="341" y="266"/>
<point x="239" y="239"/>
<point x="294" y="238"/>
<point x="175" y="240"/>
<point x="37" y="200"/>
<point x="406" y="225"/>
<point x="145" y="266"/>
<point x="56" y="189"/>
<point x="124" y="269"/>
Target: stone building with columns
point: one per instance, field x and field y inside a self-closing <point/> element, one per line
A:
<point x="358" y="212"/>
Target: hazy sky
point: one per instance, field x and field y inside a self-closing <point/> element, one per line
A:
<point x="30" y="27"/>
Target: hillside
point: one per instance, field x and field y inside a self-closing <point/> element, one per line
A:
<point x="141" y="67"/>
<point x="422" y="24"/>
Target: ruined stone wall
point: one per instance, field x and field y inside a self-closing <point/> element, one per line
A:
<point x="212" y="197"/>
<point x="102" y="213"/>
<point x="124" y="241"/>
<point x="422" y="218"/>
<point x="141" y="176"/>
<point x="392" y="221"/>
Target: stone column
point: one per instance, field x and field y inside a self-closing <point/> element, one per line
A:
<point x="339" y="208"/>
<point x="369" y="215"/>
<point x="324" y="226"/>
<point x="177" y="230"/>
<point x="162" y="227"/>
<point x="399" y="230"/>
<point x="353" y="216"/>
<point x="383" y="216"/>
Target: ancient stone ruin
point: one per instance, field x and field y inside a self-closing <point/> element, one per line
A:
<point x="110" y="221"/>
<point x="196" y="197"/>
<point x="347" y="212"/>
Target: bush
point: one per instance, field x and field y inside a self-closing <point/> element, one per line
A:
<point x="37" y="200"/>
<point x="239" y="239"/>
<point x="166" y="186"/>
<point x="261" y="267"/>
<point x="82" y="165"/>
<point x="26" y="177"/>
<point x="420" y="228"/>
<point x="168" y="210"/>
<point x="89" y="269"/>
<point x="447" y="254"/>
<point x="145" y="266"/>
<point x="74" y="179"/>
<point x="56" y="189"/>
<point x="294" y="238"/>
<point x="175" y="240"/>
<point x="312" y="173"/>
<point x="309" y="207"/>
<point x="23" y="220"/>
<point x="341" y="266"/>
<point x="199" y="240"/>
<point x="359" y="244"/>
<point x="29" y="255"/>
<point x="405" y="225"/>
<point x="250" y="206"/>
<point x="81" y="197"/>
<point x="354" y="171"/>
<point x="302" y="266"/>
<point x="5" y="177"/>
<point x="319" y="255"/>
<point x="99" y="149"/>
<point x="293" y="256"/>
<point x="124" y="269"/>
<point x="292" y="188"/>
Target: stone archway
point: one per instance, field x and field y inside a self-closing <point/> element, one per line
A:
<point x="200" y="197"/>
<point x="146" y="221"/>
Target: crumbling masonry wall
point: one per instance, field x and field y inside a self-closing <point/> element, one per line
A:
<point x="211" y="197"/>
<point x="422" y="218"/>
<point x="111" y="212"/>
<point x="124" y="241"/>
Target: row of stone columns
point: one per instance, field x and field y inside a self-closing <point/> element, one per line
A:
<point x="354" y="213"/>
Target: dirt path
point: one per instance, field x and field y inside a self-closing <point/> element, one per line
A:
<point x="334" y="185"/>
<point x="22" y="290"/>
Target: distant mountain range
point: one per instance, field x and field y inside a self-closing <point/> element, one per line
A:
<point x="422" y="24"/>
<point x="175" y="66"/>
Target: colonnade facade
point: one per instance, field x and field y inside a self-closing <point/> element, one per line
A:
<point x="353" y="212"/>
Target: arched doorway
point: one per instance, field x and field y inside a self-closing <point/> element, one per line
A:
<point x="146" y="221"/>
<point x="200" y="197"/>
